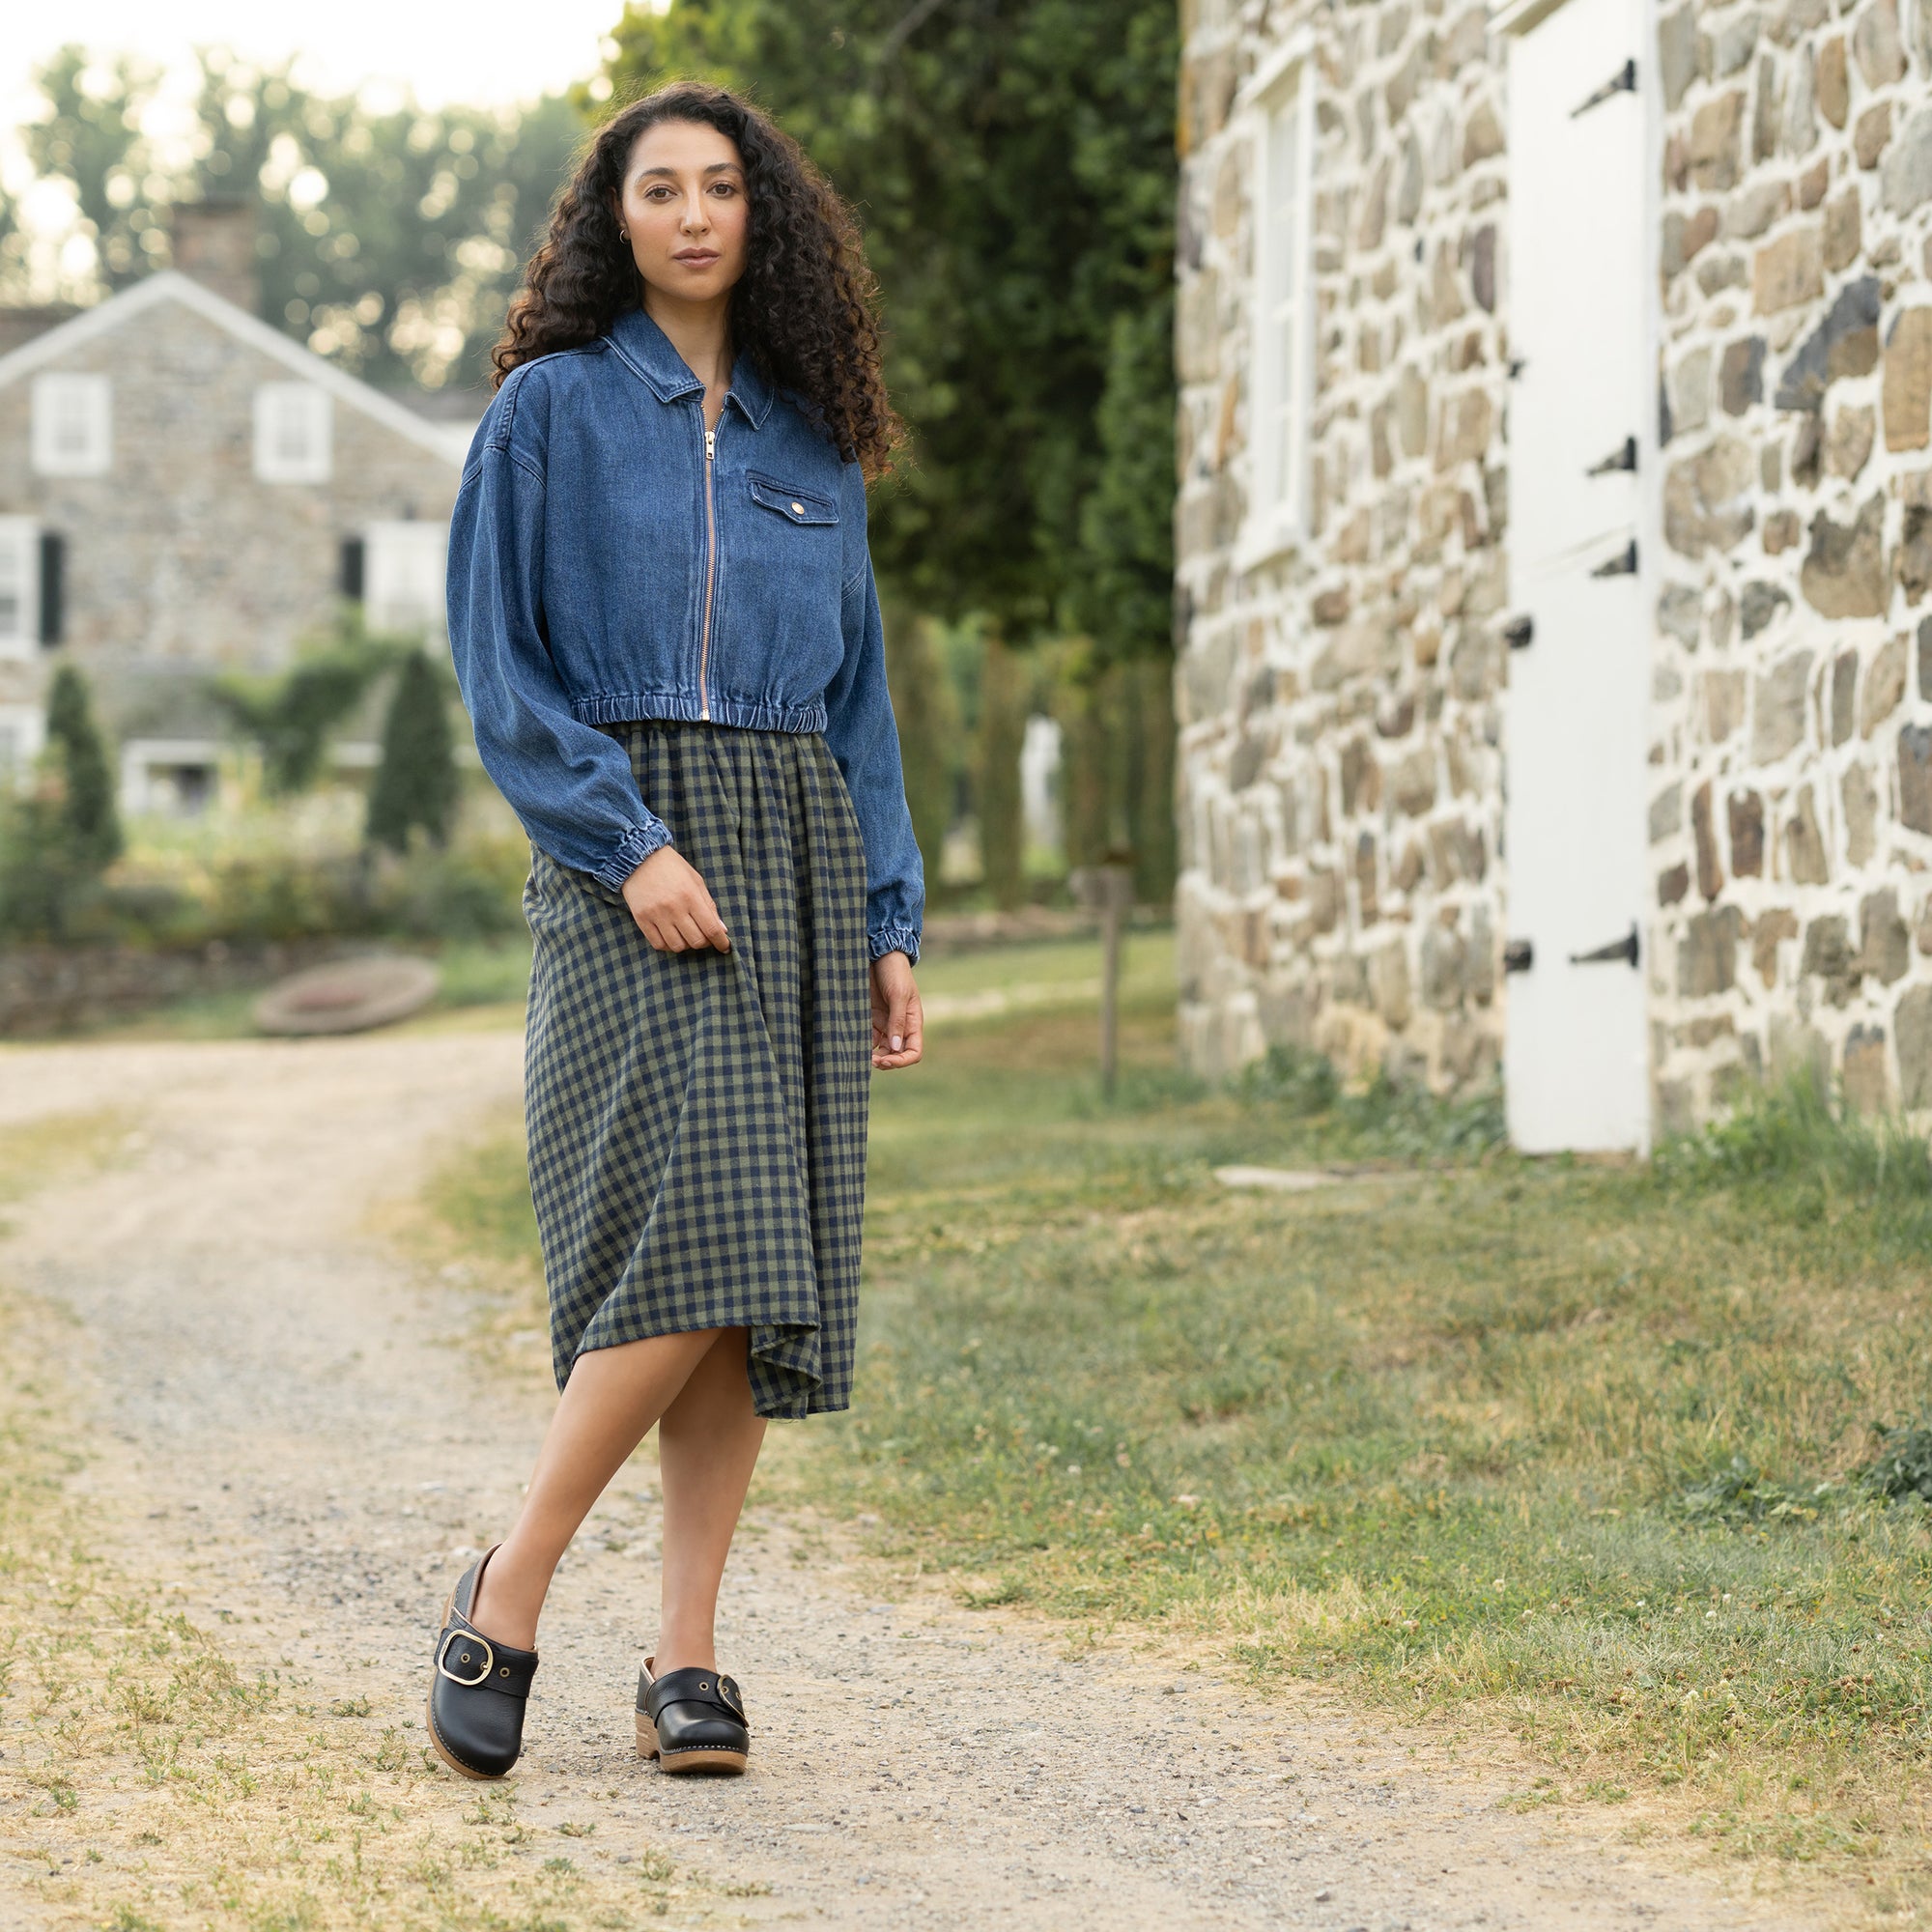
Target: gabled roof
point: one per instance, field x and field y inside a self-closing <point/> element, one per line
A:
<point x="104" y="318"/>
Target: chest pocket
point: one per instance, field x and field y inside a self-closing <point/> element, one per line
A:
<point x="800" y="507"/>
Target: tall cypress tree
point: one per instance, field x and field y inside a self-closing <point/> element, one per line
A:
<point x="90" y="825"/>
<point x="416" y="783"/>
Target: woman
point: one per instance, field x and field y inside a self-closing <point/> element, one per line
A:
<point x="665" y="624"/>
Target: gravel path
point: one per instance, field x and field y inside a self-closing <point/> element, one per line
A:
<point x="290" y="1427"/>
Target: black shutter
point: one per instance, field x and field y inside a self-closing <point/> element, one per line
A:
<point x="354" y="556"/>
<point x="54" y="587"/>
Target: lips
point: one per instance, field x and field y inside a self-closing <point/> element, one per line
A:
<point x="696" y="258"/>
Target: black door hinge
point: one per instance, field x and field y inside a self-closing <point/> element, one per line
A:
<point x="1625" y="948"/>
<point x="1623" y="456"/>
<point x="1623" y="82"/>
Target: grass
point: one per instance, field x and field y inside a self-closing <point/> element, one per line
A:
<point x="1624" y="1461"/>
<point x="151" y="1783"/>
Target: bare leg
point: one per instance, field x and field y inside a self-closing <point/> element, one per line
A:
<point x="608" y="1406"/>
<point x="707" y="1446"/>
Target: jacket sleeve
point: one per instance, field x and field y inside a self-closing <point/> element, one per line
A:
<point x="569" y="784"/>
<point x="864" y="740"/>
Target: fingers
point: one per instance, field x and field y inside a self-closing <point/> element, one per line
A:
<point x="898" y="1032"/>
<point x="688" y="921"/>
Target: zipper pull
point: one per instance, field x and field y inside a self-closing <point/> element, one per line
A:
<point x="710" y="445"/>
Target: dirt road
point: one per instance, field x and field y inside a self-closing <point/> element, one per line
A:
<point x="284" y="1424"/>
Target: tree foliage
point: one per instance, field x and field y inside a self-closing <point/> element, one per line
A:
<point x="390" y="238"/>
<point x="1012" y="162"/>
<point x="416" y="782"/>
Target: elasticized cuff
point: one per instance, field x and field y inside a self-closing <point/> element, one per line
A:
<point x="632" y="849"/>
<point x="894" y="939"/>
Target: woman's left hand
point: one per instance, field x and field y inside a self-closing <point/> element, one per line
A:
<point x="899" y="1025"/>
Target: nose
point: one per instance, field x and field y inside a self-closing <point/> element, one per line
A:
<point x="694" y="220"/>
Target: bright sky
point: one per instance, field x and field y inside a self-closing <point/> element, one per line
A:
<point x="486" y="52"/>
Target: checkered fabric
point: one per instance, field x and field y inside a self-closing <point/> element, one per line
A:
<point x="697" y="1119"/>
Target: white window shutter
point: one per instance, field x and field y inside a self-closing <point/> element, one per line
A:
<point x="403" y="576"/>
<point x="19" y="586"/>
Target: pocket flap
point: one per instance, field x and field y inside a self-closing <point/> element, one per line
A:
<point x="796" y="506"/>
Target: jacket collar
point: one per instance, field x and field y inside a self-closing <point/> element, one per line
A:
<point x="645" y="348"/>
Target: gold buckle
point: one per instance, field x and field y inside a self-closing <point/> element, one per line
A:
<point x="442" y="1668"/>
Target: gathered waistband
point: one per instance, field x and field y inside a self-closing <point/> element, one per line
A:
<point x="667" y="707"/>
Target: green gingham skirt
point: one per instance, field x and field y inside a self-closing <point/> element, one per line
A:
<point x="697" y="1120"/>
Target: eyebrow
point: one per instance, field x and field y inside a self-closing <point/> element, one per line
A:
<point x="671" y="174"/>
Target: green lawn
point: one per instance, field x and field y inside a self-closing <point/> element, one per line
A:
<point x="1577" y="1450"/>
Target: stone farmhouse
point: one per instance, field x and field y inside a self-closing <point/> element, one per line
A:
<point x="1554" y="540"/>
<point x="185" y="490"/>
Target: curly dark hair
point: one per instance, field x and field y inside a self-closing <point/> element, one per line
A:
<point x="804" y="309"/>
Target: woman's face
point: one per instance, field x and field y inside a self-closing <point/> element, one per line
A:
<point x="685" y="211"/>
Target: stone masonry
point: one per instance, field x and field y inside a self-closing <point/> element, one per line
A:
<point x="1342" y="763"/>
<point x="1792" y="708"/>
<point x="1339" y="791"/>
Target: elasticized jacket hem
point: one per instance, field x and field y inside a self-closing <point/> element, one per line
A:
<point x="624" y="707"/>
<point x="894" y="939"/>
<point x="632" y="849"/>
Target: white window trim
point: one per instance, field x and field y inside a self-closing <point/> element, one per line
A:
<point x="381" y="542"/>
<point x="316" y="464"/>
<point x="22" y="536"/>
<point x="98" y="404"/>
<point x="142" y="757"/>
<point x="26" y="725"/>
<point x="1278" y="518"/>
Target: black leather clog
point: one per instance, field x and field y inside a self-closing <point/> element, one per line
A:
<point x="692" y="1720"/>
<point x="478" y="1689"/>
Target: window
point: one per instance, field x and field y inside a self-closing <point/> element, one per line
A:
<point x="22" y="732"/>
<point x="19" y="586"/>
<point x="293" y="426"/>
<point x="1280" y="367"/>
<point x="402" y="569"/>
<point x="73" y="425"/>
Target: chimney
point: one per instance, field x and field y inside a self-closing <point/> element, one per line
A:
<point x="215" y="242"/>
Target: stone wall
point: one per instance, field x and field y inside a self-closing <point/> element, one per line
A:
<point x="56" y="989"/>
<point x="1792" y="815"/>
<point x="1340" y="789"/>
<point x="1340" y="770"/>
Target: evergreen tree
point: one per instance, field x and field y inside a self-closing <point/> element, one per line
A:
<point x="416" y="782"/>
<point x="89" y="826"/>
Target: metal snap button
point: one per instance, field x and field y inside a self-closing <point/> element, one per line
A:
<point x="798" y="509"/>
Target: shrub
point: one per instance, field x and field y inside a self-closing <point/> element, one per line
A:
<point x="416" y="783"/>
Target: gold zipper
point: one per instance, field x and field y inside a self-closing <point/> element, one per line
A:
<point x="710" y="571"/>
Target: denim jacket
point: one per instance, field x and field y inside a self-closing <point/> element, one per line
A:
<point x="609" y="560"/>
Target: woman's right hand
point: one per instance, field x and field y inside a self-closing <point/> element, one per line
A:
<point x="672" y="906"/>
